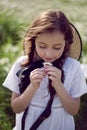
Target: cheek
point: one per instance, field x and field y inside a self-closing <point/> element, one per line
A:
<point x="58" y="54"/>
<point x="61" y="52"/>
<point x="39" y="51"/>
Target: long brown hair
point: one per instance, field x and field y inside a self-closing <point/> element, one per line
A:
<point x="48" y="21"/>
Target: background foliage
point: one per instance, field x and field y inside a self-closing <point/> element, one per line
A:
<point x="15" y="17"/>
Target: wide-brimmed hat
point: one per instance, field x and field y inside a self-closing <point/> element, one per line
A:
<point x="75" y="47"/>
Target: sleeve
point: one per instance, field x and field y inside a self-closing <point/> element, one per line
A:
<point x="12" y="81"/>
<point x="78" y="84"/>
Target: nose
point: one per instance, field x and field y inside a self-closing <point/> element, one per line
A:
<point x="49" y="53"/>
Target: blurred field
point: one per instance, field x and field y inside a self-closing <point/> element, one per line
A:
<point x="25" y="11"/>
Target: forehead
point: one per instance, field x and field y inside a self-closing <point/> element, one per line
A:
<point x="54" y="37"/>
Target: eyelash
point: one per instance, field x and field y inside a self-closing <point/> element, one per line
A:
<point x="53" y="48"/>
<point x="42" y="47"/>
<point x="57" y="48"/>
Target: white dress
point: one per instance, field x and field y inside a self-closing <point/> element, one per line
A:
<point x="59" y="119"/>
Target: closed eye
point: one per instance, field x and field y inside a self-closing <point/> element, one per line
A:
<point x="42" y="47"/>
<point x="57" y="48"/>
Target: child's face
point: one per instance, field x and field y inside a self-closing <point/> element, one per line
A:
<point x="50" y="46"/>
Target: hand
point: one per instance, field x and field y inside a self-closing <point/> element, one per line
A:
<point x="54" y="75"/>
<point x="36" y="76"/>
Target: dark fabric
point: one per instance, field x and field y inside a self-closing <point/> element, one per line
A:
<point x="23" y="119"/>
<point x="46" y="113"/>
<point x="24" y="74"/>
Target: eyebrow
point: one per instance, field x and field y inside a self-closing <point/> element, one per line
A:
<point x="57" y="44"/>
<point x="42" y="42"/>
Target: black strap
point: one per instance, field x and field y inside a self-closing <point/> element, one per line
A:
<point x="24" y="83"/>
<point x="45" y="114"/>
<point x="23" y="119"/>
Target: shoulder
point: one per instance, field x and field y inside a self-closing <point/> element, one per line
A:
<point x="21" y="59"/>
<point x="12" y="81"/>
<point x="17" y="64"/>
<point x="71" y="63"/>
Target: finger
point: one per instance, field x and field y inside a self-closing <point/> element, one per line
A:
<point x="36" y="76"/>
<point x="54" y="74"/>
<point x="51" y="77"/>
<point x="53" y="71"/>
<point x="36" y="72"/>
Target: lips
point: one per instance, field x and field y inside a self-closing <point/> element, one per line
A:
<point x="49" y="60"/>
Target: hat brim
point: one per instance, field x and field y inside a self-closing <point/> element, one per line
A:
<point x="76" y="46"/>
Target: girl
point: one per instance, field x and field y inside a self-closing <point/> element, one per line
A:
<point x="47" y="95"/>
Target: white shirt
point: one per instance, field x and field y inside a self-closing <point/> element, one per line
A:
<point x="59" y="119"/>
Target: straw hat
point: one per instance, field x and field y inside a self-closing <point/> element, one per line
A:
<point x="76" y="46"/>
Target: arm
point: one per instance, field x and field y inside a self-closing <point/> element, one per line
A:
<point x="20" y="102"/>
<point x="71" y="105"/>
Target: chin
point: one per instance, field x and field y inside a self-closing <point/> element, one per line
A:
<point x="46" y="60"/>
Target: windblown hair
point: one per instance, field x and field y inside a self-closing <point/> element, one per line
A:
<point x="48" y="21"/>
